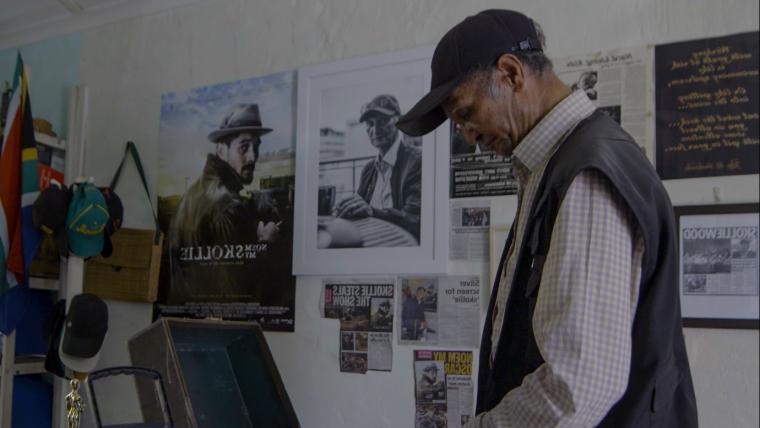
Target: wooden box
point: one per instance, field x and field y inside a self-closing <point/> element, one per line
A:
<point x="216" y="374"/>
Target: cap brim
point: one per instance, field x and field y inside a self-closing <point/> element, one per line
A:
<point x="221" y="133"/>
<point x="79" y="364"/>
<point x="427" y="114"/>
<point x="376" y="111"/>
<point x="87" y="246"/>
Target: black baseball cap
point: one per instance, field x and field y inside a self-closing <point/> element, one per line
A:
<point x="386" y="105"/>
<point x="84" y="331"/>
<point x="476" y="42"/>
<point x="49" y="214"/>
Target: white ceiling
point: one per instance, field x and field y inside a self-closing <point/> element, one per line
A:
<point x="27" y="21"/>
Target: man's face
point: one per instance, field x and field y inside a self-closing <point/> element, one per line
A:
<point x="241" y="154"/>
<point x="494" y="117"/>
<point x="381" y="130"/>
<point x="420" y="294"/>
<point x="430" y="375"/>
<point x="589" y="80"/>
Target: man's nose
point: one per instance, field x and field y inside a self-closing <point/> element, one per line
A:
<point x="469" y="134"/>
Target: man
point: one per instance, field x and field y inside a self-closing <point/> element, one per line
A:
<point x="430" y="386"/>
<point x="413" y="322"/>
<point x="586" y="82"/>
<point x="384" y="316"/>
<point x="584" y="324"/>
<point x="217" y="210"/>
<point x="744" y="251"/>
<point x="348" y="341"/>
<point x="389" y="187"/>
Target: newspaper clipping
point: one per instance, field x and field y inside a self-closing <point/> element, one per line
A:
<point x="365" y="311"/>
<point x="617" y="82"/>
<point x="443" y="388"/>
<point x="470" y="222"/>
<point x="440" y="310"/>
<point x="719" y="260"/>
<point x="477" y="171"/>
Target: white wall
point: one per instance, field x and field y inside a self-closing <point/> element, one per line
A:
<point x="128" y="65"/>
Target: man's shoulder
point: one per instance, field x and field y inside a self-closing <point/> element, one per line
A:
<point x="219" y="197"/>
<point x="409" y="152"/>
<point x="598" y="142"/>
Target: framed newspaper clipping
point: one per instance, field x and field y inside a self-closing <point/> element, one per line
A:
<point x="369" y="199"/>
<point x="718" y="265"/>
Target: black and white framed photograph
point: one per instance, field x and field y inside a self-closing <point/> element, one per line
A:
<point x="718" y="265"/>
<point x="369" y="199"/>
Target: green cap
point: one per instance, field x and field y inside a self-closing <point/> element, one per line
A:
<point x="86" y="220"/>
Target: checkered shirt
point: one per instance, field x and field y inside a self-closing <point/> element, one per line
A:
<point x="588" y="293"/>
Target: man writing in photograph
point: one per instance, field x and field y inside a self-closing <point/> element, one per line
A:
<point x="218" y="210"/>
<point x="389" y="187"/>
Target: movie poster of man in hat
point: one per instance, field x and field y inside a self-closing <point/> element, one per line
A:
<point x="226" y="169"/>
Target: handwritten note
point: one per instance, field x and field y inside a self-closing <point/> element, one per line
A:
<point x="707" y="107"/>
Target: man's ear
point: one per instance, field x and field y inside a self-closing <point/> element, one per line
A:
<point x="511" y="71"/>
<point x="221" y="150"/>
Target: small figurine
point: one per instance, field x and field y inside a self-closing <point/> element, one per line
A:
<point x="74" y="405"/>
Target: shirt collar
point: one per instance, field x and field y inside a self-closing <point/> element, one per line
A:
<point x="392" y="154"/>
<point x="540" y="141"/>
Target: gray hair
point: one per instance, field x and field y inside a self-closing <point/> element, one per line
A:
<point x="535" y="60"/>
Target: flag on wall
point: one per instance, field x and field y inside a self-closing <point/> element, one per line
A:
<point x="18" y="190"/>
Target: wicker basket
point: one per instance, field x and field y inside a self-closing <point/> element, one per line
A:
<point x="131" y="273"/>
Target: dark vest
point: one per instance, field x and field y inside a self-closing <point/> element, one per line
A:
<point x="660" y="390"/>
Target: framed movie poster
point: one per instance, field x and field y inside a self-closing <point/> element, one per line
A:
<point x="225" y="197"/>
<point x="369" y="199"/>
<point x="718" y="265"/>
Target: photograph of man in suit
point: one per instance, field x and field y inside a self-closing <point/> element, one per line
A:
<point x="389" y="187"/>
<point x="413" y="322"/>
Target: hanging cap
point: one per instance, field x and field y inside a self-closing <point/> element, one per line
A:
<point x="86" y="220"/>
<point x="84" y="331"/>
<point x="49" y="214"/>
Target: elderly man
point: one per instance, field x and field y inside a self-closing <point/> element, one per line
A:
<point x="389" y="188"/>
<point x="584" y="324"/>
<point x="218" y="212"/>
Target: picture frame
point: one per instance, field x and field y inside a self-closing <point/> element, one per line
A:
<point x="333" y="150"/>
<point x="718" y="265"/>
